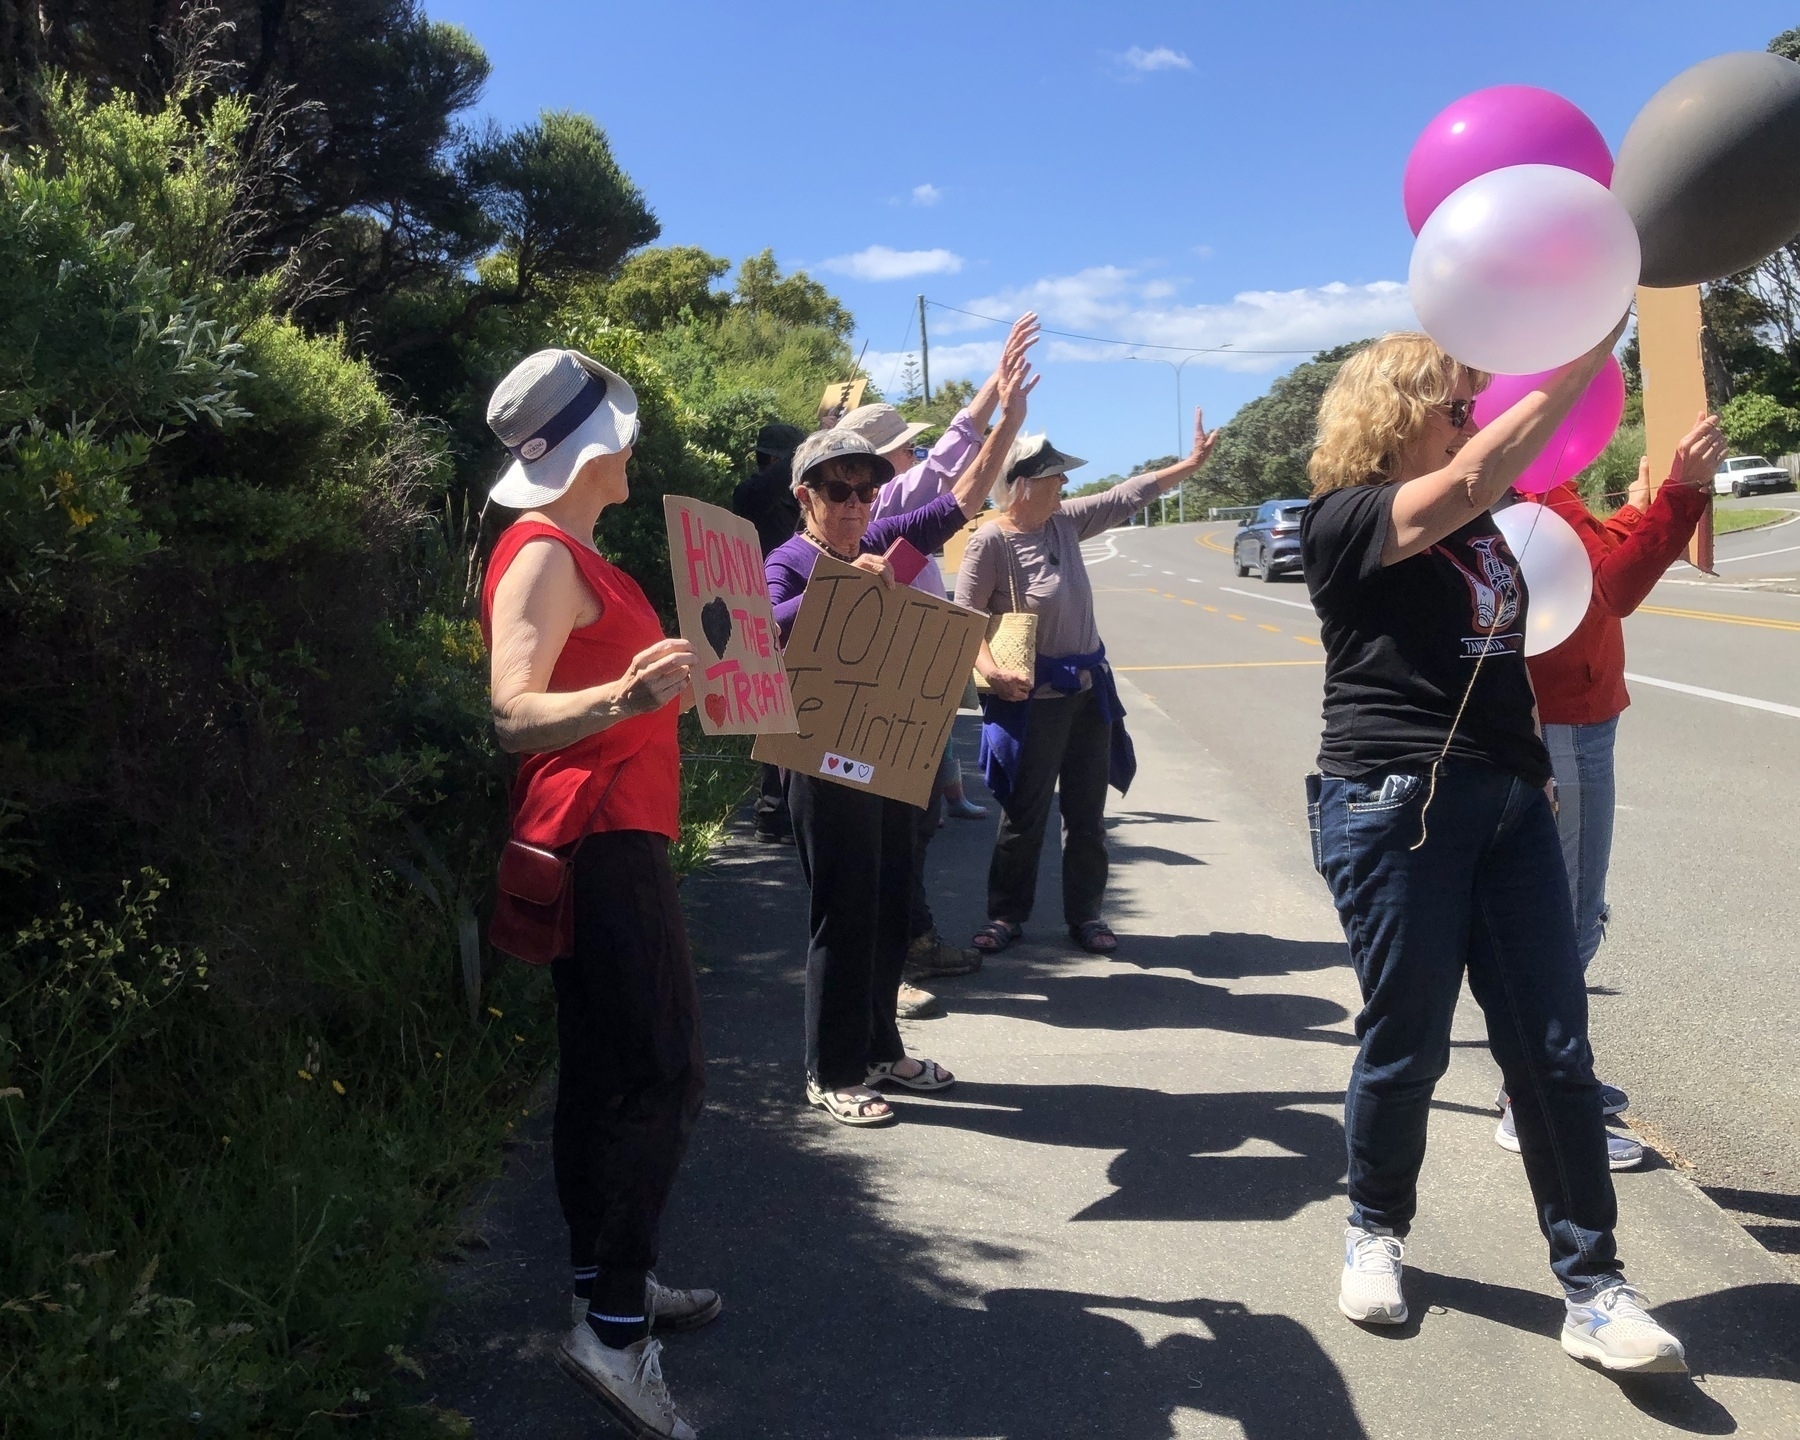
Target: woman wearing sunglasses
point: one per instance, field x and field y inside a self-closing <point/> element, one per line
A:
<point x="1432" y="822"/>
<point x="856" y="849"/>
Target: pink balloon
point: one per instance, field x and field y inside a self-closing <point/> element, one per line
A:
<point x="1492" y="129"/>
<point x="1578" y="441"/>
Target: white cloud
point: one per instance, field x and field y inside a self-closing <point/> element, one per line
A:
<point x="1161" y="58"/>
<point x="879" y="262"/>
<point x="1116" y="303"/>
<point x="926" y="194"/>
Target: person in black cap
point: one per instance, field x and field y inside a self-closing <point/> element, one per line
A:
<point x="767" y="501"/>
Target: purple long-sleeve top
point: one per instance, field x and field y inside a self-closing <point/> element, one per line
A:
<point x="931" y="477"/>
<point x="790" y="564"/>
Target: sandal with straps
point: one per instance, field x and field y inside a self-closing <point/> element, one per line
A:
<point x="931" y="1076"/>
<point x="995" y="936"/>
<point x="851" y="1108"/>
<point x="1094" y="936"/>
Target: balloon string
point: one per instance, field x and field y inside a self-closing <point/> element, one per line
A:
<point x="1487" y="642"/>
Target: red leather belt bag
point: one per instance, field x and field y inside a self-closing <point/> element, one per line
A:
<point x="534" y="909"/>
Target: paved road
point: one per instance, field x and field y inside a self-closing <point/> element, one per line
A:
<point x="1126" y="1219"/>
<point x="1696" y="1012"/>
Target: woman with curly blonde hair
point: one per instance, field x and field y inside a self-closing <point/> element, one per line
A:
<point x="1431" y="821"/>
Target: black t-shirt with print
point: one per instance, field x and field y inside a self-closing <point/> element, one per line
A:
<point x="1402" y="642"/>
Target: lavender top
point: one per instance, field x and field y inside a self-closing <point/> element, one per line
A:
<point x="931" y="477"/>
<point x="790" y="564"/>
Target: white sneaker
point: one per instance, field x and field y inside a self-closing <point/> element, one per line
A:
<point x="665" y="1308"/>
<point x="627" y="1382"/>
<point x="1622" y="1152"/>
<point x="1370" y="1290"/>
<point x="1615" y="1332"/>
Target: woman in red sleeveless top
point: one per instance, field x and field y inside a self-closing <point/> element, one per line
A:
<point x="587" y="691"/>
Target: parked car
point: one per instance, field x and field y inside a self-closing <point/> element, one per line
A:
<point x="1750" y="475"/>
<point x="1269" y="540"/>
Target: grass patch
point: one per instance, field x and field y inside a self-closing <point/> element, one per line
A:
<point x="1726" y="521"/>
<point x="223" y="1210"/>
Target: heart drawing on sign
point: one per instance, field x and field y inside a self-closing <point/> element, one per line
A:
<point x="715" y="623"/>
<point x="716" y="709"/>
<point x="832" y="761"/>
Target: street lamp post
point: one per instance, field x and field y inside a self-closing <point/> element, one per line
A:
<point x="1180" y="431"/>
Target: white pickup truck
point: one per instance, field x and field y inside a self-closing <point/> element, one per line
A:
<point x="1750" y="475"/>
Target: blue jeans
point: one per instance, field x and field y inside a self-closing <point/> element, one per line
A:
<point x="1583" y="758"/>
<point x="1485" y="893"/>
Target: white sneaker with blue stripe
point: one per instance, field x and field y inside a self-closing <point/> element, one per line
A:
<point x="1614" y="1331"/>
<point x="1369" y="1292"/>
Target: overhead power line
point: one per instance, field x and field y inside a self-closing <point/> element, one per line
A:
<point x="1131" y="344"/>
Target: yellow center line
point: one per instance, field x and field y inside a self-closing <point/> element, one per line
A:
<point x="1308" y="640"/>
<point x="1272" y="629"/>
<point x="1210" y="609"/>
<point x="1186" y="601"/>
<point x="1718" y="618"/>
<point x="1223" y="665"/>
<point x="1230" y="616"/>
<point x="1211" y="544"/>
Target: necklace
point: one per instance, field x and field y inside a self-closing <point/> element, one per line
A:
<point x="828" y="547"/>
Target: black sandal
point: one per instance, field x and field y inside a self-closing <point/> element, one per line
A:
<point x="1095" y="937"/>
<point x="995" y="936"/>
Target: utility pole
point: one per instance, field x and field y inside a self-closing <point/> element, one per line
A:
<point x="924" y="351"/>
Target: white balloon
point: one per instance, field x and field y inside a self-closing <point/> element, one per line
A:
<point x="1524" y="269"/>
<point x="1558" y="575"/>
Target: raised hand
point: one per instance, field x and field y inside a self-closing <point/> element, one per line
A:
<point x="1016" y="381"/>
<point x="1699" y="454"/>
<point x="1022" y="336"/>
<point x="1204" y="441"/>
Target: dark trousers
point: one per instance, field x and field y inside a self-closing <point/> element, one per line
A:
<point x="630" y="1072"/>
<point x="1067" y="745"/>
<point x="919" y="921"/>
<point x="771" y="810"/>
<point x="1486" y="893"/>
<point x="857" y="851"/>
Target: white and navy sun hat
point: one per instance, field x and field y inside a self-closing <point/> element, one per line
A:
<point x="555" y="411"/>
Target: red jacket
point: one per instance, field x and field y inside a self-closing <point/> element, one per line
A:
<point x="1582" y="681"/>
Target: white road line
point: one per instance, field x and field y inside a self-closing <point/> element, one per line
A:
<point x="1746" y="701"/>
<point x="1109" y="551"/>
<point x="1192" y="581"/>
<point x="1272" y="599"/>
<point x="1759" y="555"/>
<point x="1168" y="572"/>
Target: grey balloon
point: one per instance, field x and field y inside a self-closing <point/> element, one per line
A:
<point x="1710" y="169"/>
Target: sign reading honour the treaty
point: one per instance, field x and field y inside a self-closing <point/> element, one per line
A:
<point x="722" y="600"/>
<point x="876" y="673"/>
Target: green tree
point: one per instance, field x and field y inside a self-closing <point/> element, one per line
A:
<point x="1760" y="424"/>
<point x="762" y="291"/>
<point x="1263" y="451"/>
<point x="655" y="288"/>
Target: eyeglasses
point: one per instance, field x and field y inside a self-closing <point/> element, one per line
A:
<point x="838" y="492"/>
<point x="1461" y="411"/>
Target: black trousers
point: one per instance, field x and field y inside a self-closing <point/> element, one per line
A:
<point x="771" y="804"/>
<point x="631" y="1071"/>
<point x="1067" y="745"/>
<point x="858" y="852"/>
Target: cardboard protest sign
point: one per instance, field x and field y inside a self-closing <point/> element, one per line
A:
<point x="839" y="399"/>
<point x="722" y="600"/>
<point x="1674" y="373"/>
<point x="877" y="673"/>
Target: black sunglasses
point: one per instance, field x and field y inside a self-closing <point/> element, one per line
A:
<point x="838" y="492"/>
<point x="1460" y="412"/>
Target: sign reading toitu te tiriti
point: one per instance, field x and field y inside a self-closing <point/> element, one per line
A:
<point x="877" y="672"/>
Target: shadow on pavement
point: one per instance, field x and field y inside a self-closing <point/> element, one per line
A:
<point x="1227" y="955"/>
<point x="1743" y="1330"/>
<point x="1244" y="1155"/>
<point x="1129" y="1000"/>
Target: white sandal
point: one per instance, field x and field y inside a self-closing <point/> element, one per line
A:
<point x="850" y="1108"/>
<point x="931" y="1076"/>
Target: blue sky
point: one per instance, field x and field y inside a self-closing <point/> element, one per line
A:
<point x="1184" y="174"/>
